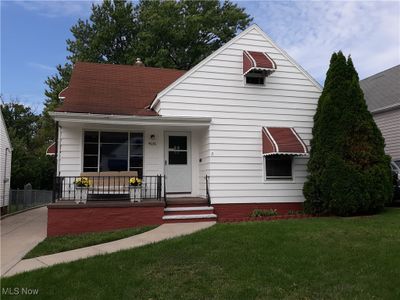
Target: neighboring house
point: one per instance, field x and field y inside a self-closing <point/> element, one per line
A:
<point x="5" y="166"/>
<point x="382" y="94"/>
<point x="233" y="133"/>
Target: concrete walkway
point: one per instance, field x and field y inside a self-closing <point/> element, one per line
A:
<point x="163" y="232"/>
<point x="19" y="234"/>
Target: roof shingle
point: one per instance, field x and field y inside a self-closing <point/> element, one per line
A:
<point x="115" y="89"/>
<point x="382" y="90"/>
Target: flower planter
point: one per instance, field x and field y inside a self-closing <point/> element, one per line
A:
<point x="135" y="193"/>
<point x="81" y="194"/>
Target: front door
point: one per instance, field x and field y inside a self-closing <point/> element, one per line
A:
<point x="178" y="168"/>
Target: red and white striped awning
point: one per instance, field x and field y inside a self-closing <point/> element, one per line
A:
<point x="51" y="150"/>
<point x="257" y="61"/>
<point x="282" y="140"/>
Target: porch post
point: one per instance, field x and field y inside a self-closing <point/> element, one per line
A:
<point x="55" y="183"/>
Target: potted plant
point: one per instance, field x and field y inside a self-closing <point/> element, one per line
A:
<point x="135" y="189"/>
<point x="82" y="185"/>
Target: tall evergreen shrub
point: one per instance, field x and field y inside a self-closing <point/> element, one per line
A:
<point x="349" y="172"/>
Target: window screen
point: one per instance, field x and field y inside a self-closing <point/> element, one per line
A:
<point x="278" y="166"/>
<point x="254" y="80"/>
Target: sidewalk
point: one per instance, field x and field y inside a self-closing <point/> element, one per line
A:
<point x="163" y="232"/>
<point x="19" y="234"/>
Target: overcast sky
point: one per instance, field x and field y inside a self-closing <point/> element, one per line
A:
<point x="33" y="35"/>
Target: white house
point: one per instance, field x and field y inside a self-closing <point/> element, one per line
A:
<point x="5" y="165"/>
<point x="242" y="117"/>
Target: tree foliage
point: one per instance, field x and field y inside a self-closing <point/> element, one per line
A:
<point x="181" y="34"/>
<point x="29" y="161"/>
<point x="349" y="171"/>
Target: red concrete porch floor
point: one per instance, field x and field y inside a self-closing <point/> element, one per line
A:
<point x="163" y="232"/>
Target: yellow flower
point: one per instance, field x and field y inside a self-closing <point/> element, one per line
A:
<point x="82" y="182"/>
<point x="135" y="181"/>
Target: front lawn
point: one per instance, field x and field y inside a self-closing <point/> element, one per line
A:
<point x="69" y="242"/>
<point x="320" y="258"/>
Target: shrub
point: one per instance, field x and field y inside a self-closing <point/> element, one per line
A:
<point x="295" y="212"/>
<point x="264" y="213"/>
<point x="349" y="172"/>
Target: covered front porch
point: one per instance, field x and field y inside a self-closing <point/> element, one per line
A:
<point x="116" y="171"/>
<point x="136" y="159"/>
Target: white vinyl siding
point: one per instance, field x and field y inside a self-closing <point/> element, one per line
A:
<point x="389" y="124"/>
<point x="70" y="151"/>
<point x="5" y="165"/>
<point x="232" y="150"/>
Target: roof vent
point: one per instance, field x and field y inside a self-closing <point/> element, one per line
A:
<point x="139" y="62"/>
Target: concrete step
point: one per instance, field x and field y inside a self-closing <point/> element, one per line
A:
<point x="189" y="218"/>
<point x="190" y="210"/>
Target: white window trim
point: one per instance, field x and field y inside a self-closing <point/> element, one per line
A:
<point x="259" y="86"/>
<point x="110" y="130"/>
<point x="266" y="180"/>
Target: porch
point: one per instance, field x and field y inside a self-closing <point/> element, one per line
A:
<point x="106" y="190"/>
<point x="111" y="202"/>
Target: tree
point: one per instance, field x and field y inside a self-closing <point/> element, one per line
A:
<point x="108" y="36"/>
<point x="29" y="161"/>
<point x="349" y="172"/>
<point x="179" y="34"/>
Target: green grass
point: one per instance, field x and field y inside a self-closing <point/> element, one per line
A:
<point x="64" y="243"/>
<point x="320" y="258"/>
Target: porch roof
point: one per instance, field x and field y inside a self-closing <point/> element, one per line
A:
<point x="88" y="118"/>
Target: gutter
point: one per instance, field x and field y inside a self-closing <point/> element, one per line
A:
<point x="129" y="119"/>
<point x="386" y="108"/>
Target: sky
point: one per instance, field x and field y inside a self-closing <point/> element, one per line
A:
<point x="33" y="35"/>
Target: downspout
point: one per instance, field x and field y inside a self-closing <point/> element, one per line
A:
<point x="5" y="174"/>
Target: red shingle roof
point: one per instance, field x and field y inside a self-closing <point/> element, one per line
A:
<point x="115" y="89"/>
<point x="259" y="61"/>
<point x="282" y="140"/>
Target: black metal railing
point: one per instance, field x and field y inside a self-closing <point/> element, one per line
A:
<point x="208" y="190"/>
<point x="91" y="188"/>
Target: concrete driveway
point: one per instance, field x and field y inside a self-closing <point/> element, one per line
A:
<point x="19" y="234"/>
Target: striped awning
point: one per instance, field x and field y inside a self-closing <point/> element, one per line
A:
<point x="257" y="61"/>
<point x="282" y="140"/>
<point x="51" y="150"/>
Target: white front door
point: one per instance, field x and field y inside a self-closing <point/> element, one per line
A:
<point x="178" y="167"/>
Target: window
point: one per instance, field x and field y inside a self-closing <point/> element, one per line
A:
<point x="255" y="77"/>
<point x="177" y="150"/>
<point x="91" y="151"/>
<point x="278" y="167"/>
<point x="113" y="151"/>
<point x="254" y="80"/>
<point x="136" y="153"/>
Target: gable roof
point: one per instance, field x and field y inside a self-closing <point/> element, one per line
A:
<point x="381" y="91"/>
<point x="115" y="89"/>
<point x="228" y="44"/>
